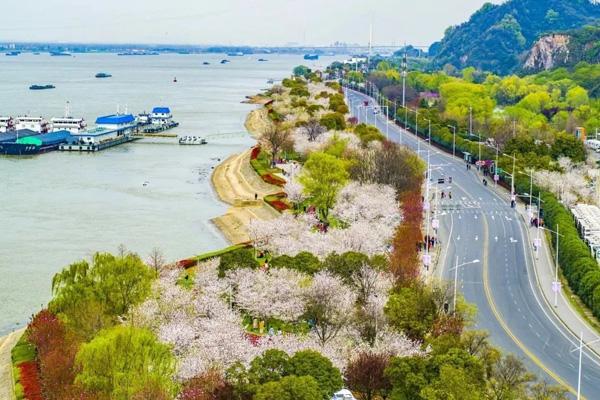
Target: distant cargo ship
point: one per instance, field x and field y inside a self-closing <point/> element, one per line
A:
<point x="60" y="54"/>
<point x="41" y="87"/>
<point x="139" y="53"/>
<point x="103" y="75"/>
<point x="34" y="144"/>
<point x="311" y="56"/>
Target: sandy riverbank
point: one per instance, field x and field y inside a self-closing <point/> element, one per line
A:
<point x="238" y="185"/>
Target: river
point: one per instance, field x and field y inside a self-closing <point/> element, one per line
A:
<point x="57" y="208"/>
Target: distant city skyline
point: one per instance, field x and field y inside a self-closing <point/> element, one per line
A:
<point x="233" y="22"/>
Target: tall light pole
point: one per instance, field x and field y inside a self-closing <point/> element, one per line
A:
<point x="456" y="267"/>
<point x="512" y="184"/>
<point x="580" y="349"/>
<point x="453" y="140"/>
<point x="556" y="284"/>
<point x="530" y="175"/>
<point x="404" y="73"/>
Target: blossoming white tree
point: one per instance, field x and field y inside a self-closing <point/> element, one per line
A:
<point x="277" y="293"/>
<point x="329" y="304"/>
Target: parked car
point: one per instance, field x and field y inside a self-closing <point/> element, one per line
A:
<point x="343" y="394"/>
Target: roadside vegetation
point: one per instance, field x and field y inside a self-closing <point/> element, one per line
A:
<point x="534" y="118"/>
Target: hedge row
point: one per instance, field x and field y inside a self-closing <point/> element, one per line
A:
<point x="577" y="263"/>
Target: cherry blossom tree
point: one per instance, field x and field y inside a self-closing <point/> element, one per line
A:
<point x="329" y="305"/>
<point x="277" y="293"/>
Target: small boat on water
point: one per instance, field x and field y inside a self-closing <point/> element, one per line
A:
<point x="225" y="61"/>
<point x="103" y="75"/>
<point x="13" y="53"/>
<point x="270" y="82"/>
<point x="262" y="59"/>
<point x="175" y="80"/>
<point x="60" y="54"/>
<point x="192" y="140"/>
<point x="311" y="56"/>
<point x="205" y="63"/>
<point x="41" y="87"/>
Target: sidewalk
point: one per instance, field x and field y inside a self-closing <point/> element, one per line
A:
<point x="544" y="270"/>
<point x="7" y="342"/>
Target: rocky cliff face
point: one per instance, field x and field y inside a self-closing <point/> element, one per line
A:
<point x="548" y="52"/>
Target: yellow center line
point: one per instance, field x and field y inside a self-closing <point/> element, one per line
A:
<point x="503" y="324"/>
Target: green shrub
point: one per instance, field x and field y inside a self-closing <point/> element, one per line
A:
<point x="333" y="121"/>
<point x="241" y="258"/>
<point x="368" y="133"/>
<point x="302" y="262"/>
<point x="299" y="91"/>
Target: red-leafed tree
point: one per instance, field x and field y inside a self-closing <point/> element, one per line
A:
<point x="365" y="376"/>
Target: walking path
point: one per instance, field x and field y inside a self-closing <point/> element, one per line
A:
<point x="7" y="342"/>
<point x="236" y="183"/>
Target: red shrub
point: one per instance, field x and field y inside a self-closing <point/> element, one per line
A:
<point x="188" y="263"/>
<point x="30" y="380"/>
<point x="255" y="152"/>
<point x="273" y="180"/>
<point x="45" y="332"/>
<point x="279" y="205"/>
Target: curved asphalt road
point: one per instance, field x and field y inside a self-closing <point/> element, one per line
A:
<point x="503" y="285"/>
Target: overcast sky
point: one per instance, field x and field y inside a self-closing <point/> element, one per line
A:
<point x="232" y="22"/>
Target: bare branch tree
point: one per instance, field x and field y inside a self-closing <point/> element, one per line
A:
<point x="313" y="129"/>
<point x="275" y="138"/>
<point x="156" y="259"/>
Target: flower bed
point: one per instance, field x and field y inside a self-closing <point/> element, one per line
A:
<point x="255" y="152"/>
<point x="261" y="164"/>
<point x="273" y="180"/>
<point x="25" y="370"/>
<point x="278" y="201"/>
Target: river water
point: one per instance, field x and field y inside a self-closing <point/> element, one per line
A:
<point x="57" y="208"/>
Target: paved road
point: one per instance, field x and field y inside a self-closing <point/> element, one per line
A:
<point x="503" y="285"/>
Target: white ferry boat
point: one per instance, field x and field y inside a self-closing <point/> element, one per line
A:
<point x="68" y="123"/>
<point x="7" y="124"/>
<point x="73" y="125"/>
<point x="192" y="140"/>
<point x="36" y="124"/>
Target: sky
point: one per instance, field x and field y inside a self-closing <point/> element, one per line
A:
<point x="232" y="22"/>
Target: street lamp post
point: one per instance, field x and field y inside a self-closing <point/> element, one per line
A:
<point x="456" y="267"/>
<point x="556" y="283"/>
<point x="453" y="140"/>
<point x="580" y="349"/>
<point x="512" y="184"/>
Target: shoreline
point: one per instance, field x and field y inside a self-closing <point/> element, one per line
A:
<point x="236" y="183"/>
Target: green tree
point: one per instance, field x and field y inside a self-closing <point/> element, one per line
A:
<point x="452" y="384"/>
<point x="577" y="97"/>
<point x="289" y="388"/>
<point x="313" y="364"/>
<point x="271" y="366"/>
<point x="333" y="121"/>
<point x="302" y="70"/>
<point x="121" y="361"/>
<point x="568" y="146"/>
<point x="323" y="178"/>
<point x="412" y="310"/>
<point x="91" y="296"/>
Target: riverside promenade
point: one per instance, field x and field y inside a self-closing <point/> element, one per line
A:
<point x="6" y="374"/>
<point x="237" y="184"/>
